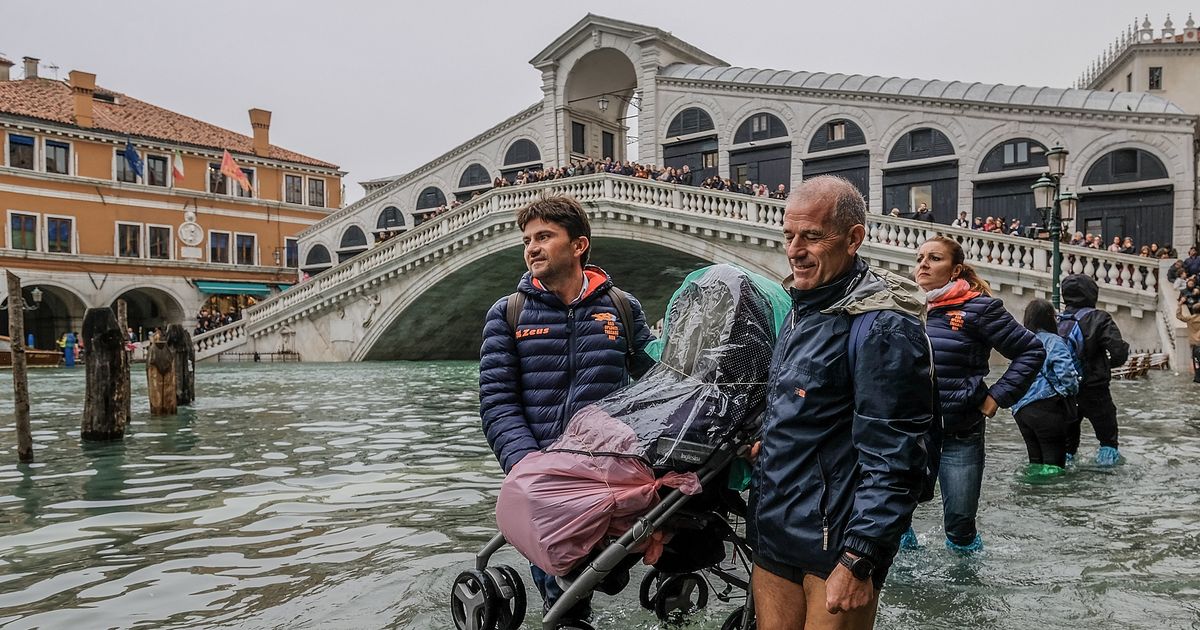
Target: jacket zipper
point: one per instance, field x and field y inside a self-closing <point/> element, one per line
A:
<point x="570" y="369"/>
<point x="821" y="504"/>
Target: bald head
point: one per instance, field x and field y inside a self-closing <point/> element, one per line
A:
<point x="849" y="208"/>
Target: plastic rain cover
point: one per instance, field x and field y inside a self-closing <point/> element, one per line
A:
<point x="709" y="384"/>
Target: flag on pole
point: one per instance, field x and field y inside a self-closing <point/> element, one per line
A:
<point x="177" y="166"/>
<point x="132" y="158"/>
<point x="230" y="169"/>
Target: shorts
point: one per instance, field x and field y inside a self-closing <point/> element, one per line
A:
<point x="795" y="574"/>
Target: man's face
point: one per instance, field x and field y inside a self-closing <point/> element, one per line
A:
<point x="817" y="252"/>
<point x="921" y="208"/>
<point x="550" y="254"/>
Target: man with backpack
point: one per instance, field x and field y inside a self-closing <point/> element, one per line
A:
<point x="564" y="340"/>
<point x="847" y="436"/>
<point x="1097" y="345"/>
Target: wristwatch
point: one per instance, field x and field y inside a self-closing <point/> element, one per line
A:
<point x="860" y="567"/>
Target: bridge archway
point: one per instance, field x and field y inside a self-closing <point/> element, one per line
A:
<point x="599" y="93"/>
<point x="148" y="308"/>
<point x="418" y="327"/>
<point x="61" y="310"/>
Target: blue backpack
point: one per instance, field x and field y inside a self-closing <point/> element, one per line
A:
<point x="859" y="326"/>
<point x="1068" y="328"/>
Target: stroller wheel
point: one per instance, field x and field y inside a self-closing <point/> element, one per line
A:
<point x="648" y="588"/>
<point x="737" y="620"/>
<point x="473" y="600"/>
<point x="680" y="595"/>
<point x="510" y="609"/>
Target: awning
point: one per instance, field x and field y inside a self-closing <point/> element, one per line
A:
<point x="216" y="287"/>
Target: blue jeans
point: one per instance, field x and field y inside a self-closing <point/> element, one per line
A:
<point x="961" y="477"/>
<point x="551" y="591"/>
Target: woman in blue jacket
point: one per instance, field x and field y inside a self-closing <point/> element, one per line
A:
<point x="1044" y="412"/>
<point x="965" y="323"/>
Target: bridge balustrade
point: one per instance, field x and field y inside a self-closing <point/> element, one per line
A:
<point x="1028" y="258"/>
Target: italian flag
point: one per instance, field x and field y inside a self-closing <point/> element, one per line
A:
<point x="177" y="166"/>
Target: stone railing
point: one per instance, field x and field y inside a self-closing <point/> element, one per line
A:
<point x="1026" y="258"/>
<point x="218" y="340"/>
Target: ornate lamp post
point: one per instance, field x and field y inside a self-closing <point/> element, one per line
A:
<point x="1056" y="207"/>
<point x="36" y="294"/>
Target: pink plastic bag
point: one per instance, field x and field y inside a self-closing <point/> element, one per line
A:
<point x="556" y="506"/>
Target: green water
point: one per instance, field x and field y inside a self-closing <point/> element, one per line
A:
<point x="350" y="495"/>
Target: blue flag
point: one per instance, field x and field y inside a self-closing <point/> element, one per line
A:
<point x="132" y="158"/>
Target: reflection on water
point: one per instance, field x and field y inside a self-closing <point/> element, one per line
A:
<point x="330" y="496"/>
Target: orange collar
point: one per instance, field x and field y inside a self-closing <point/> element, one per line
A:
<point x="954" y="293"/>
<point x="592" y="279"/>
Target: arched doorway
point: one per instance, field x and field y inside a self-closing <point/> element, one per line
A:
<point x="521" y="155"/>
<point x="854" y="166"/>
<point x="475" y="179"/>
<point x="317" y="260"/>
<point x="353" y="243"/>
<point x="148" y="309"/>
<point x="429" y="202"/>
<point x="762" y="152"/>
<point x="691" y="141"/>
<point x="1125" y="193"/>
<point x="600" y="93"/>
<point x="936" y="184"/>
<point x="1010" y="197"/>
<point x="59" y="312"/>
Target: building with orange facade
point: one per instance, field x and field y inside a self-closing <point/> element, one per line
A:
<point x="84" y="228"/>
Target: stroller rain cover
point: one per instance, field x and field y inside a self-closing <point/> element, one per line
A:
<point x="708" y="387"/>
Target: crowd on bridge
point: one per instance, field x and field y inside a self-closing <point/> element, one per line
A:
<point x="683" y="175"/>
<point x="210" y="319"/>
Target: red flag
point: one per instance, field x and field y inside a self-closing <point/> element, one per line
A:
<point x="230" y="169"/>
<point x="177" y="166"/>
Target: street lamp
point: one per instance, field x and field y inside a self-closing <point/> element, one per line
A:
<point x="602" y="103"/>
<point x="1056" y="207"/>
<point x="36" y="294"/>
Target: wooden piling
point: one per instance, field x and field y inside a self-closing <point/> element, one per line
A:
<point x="16" y="334"/>
<point x="179" y="341"/>
<point x="106" y="402"/>
<point x="160" y="377"/>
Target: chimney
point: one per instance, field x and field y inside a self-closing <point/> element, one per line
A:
<point x="83" y="86"/>
<point x="31" y="66"/>
<point x="4" y="66"/>
<point x="260" y="122"/>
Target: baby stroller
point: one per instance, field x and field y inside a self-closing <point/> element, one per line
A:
<point x="649" y="462"/>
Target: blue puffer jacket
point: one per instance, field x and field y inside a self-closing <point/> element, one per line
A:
<point x="964" y="327"/>
<point x="564" y="360"/>
<point x="844" y="447"/>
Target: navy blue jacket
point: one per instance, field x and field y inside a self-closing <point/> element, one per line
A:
<point x="963" y="335"/>
<point x="564" y="359"/>
<point x="844" y="455"/>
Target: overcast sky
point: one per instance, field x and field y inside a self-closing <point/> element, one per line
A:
<point x="383" y="87"/>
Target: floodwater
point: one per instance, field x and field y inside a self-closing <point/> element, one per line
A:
<point x="350" y="495"/>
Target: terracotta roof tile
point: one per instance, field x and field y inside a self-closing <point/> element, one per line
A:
<point x="52" y="101"/>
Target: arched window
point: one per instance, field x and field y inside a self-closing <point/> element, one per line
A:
<point x="760" y="126"/>
<point x="1123" y="166"/>
<point x="431" y="197"/>
<point x="391" y="217"/>
<point x="475" y="175"/>
<point x="521" y="152"/>
<point x="688" y="121"/>
<point x="1014" y="154"/>
<point x="353" y="238"/>
<point x="836" y="134"/>
<point x="921" y="143"/>
<point x="317" y="256"/>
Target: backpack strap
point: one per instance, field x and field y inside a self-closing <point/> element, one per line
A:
<point x="512" y="313"/>
<point x="625" y="312"/>
<point x="859" y="325"/>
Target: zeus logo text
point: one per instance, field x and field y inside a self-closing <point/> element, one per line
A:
<point x="532" y="332"/>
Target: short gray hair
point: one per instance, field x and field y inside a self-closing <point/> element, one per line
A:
<point x="849" y="207"/>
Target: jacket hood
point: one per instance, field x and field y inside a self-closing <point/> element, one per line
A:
<point x="881" y="290"/>
<point x="1079" y="290"/>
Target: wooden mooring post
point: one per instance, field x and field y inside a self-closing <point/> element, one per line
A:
<point x="160" y="377"/>
<point x="106" y="402"/>
<point x="179" y="341"/>
<point x="16" y="334"/>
